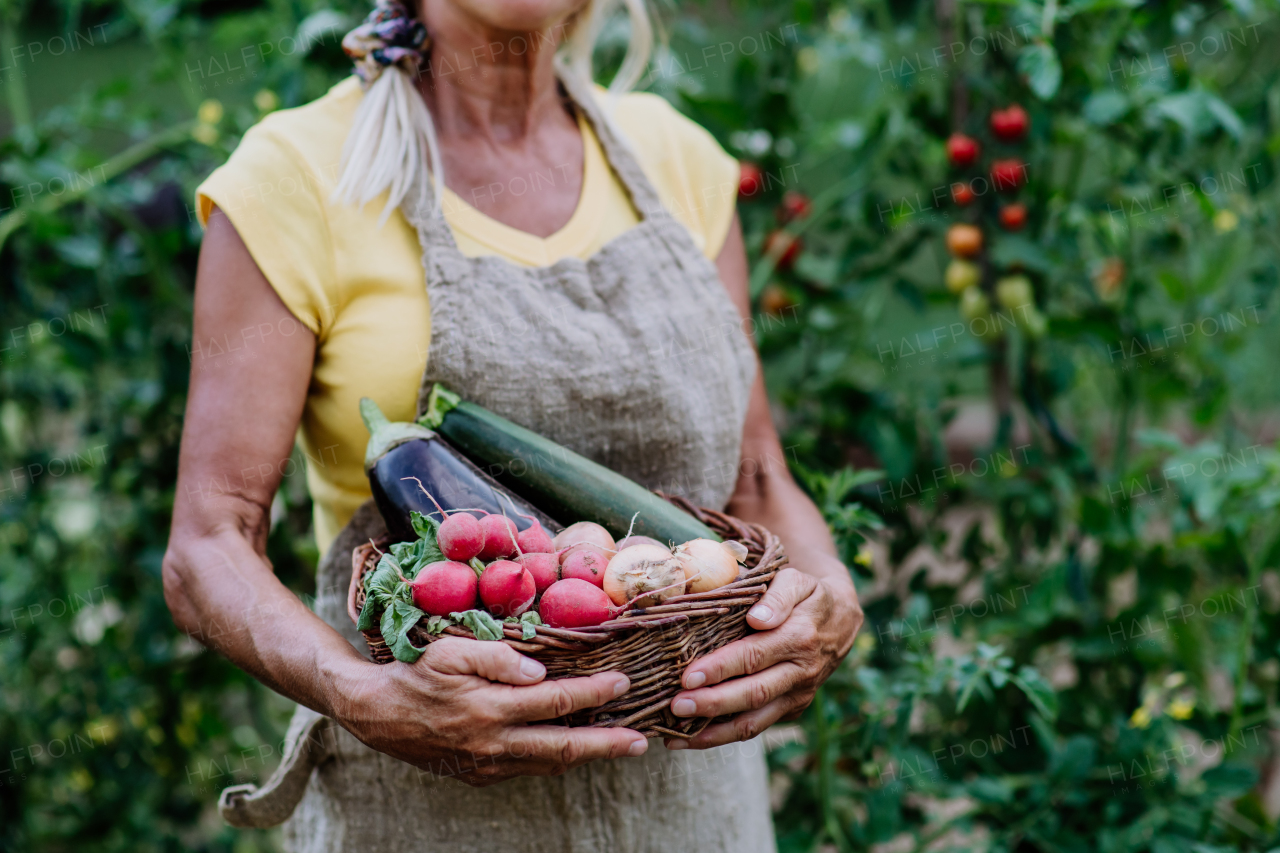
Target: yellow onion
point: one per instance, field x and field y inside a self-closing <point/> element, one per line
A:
<point x="643" y="569"/>
<point x="710" y="565"/>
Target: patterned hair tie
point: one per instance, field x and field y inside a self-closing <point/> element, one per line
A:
<point x="391" y="35"/>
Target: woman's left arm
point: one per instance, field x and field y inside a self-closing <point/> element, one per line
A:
<point x="810" y="615"/>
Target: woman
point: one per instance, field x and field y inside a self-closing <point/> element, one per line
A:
<point x="571" y="259"/>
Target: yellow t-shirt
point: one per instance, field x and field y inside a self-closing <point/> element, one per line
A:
<point x="360" y="287"/>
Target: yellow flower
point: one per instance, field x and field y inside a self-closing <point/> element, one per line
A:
<point x="864" y="557"/>
<point x="1180" y="709"/>
<point x="266" y="100"/>
<point x="1225" y="220"/>
<point x="205" y="133"/>
<point x="865" y="642"/>
<point x="1141" y="718"/>
<point x="210" y="112"/>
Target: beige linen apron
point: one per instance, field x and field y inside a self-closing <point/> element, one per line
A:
<point x="636" y="359"/>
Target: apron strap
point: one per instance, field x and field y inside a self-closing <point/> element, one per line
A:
<point x="308" y="743"/>
<point x="618" y="152"/>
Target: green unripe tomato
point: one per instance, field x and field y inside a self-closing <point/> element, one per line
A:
<point x="1013" y="291"/>
<point x="961" y="275"/>
<point x="974" y="304"/>
<point x="1032" y="322"/>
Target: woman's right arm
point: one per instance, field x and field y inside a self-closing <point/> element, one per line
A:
<point x="464" y="702"/>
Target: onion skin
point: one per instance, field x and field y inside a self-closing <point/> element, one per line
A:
<point x="709" y="565"/>
<point x="638" y="540"/>
<point x="585" y="531"/>
<point x="640" y="569"/>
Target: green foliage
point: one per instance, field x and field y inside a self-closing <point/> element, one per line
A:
<point x="1071" y="645"/>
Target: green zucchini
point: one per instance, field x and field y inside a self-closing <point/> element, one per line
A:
<point x="555" y="479"/>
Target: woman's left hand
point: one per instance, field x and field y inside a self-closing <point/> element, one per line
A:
<point x="806" y="626"/>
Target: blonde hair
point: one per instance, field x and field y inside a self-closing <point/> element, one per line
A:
<point x="393" y="138"/>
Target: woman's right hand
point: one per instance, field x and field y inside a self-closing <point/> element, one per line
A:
<point x="463" y="711"/>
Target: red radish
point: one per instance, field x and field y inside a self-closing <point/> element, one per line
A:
<point x="638" y="540"/>
<point x="544" y="567"/>
<point x="574" y="603"/>
<point x="444" y="587"/>
<point x="584" y="531"/>
<point x="499" y="537"/>
<point x="507" y="588"/>
<point x="585" y="562"/>
<point x="535" y="540"/>
<point x="750" y="179"/>
<point x="460" y="536"/>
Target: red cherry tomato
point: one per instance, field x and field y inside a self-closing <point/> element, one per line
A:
<point x="961" y="193"/>
<point x="1008" y="175"/>
<point x="1010" y="125"/>
<point x="962" y="150"/>
<point x="784" y="247"/>
<point x="795" y="205"/>
<point x="1013" y="216"/>
<point x="750" y="179"/>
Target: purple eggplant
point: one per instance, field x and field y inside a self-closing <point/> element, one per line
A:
<point x="406" y="460"/>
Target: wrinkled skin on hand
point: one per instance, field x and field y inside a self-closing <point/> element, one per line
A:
<point x="465" y="710"/>
<point x="806" y="626"/>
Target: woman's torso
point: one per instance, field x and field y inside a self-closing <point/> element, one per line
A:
<point x="360" y="287"/>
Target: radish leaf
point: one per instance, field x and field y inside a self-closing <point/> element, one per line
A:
<point x="397" y="620"/>
<point x="484" y="626"/>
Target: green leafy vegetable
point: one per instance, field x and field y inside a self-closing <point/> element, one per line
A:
<point x="424" y="525"/>
<point x="527" y="622"/>
<point x="397" y="620"/>
<point x="380" y="587"/>
<point x="484" y="626"/>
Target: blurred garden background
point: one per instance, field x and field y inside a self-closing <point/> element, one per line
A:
<point x="1054" y="472"/>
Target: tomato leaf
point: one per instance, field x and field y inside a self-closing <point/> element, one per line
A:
<point x="1039" y="64"/>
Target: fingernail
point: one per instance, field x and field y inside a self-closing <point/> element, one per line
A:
<point x="695" y="680"/>
<point x="530" y="668"/>
<point x="683" y="707"/>
<point x="677" y="743"/>
<point x="761" y="613"/>
<point x="621" y="686"/>
<point x="638" y="748"/>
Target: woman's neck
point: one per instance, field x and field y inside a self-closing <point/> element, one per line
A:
<point x="487" y="83"/>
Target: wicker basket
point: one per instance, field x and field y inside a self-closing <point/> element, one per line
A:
<point x="651" y="645"/>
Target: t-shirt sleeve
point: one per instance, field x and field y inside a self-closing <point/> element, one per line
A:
<point x="696" y="180"/>
<point x="273" y="198"/>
